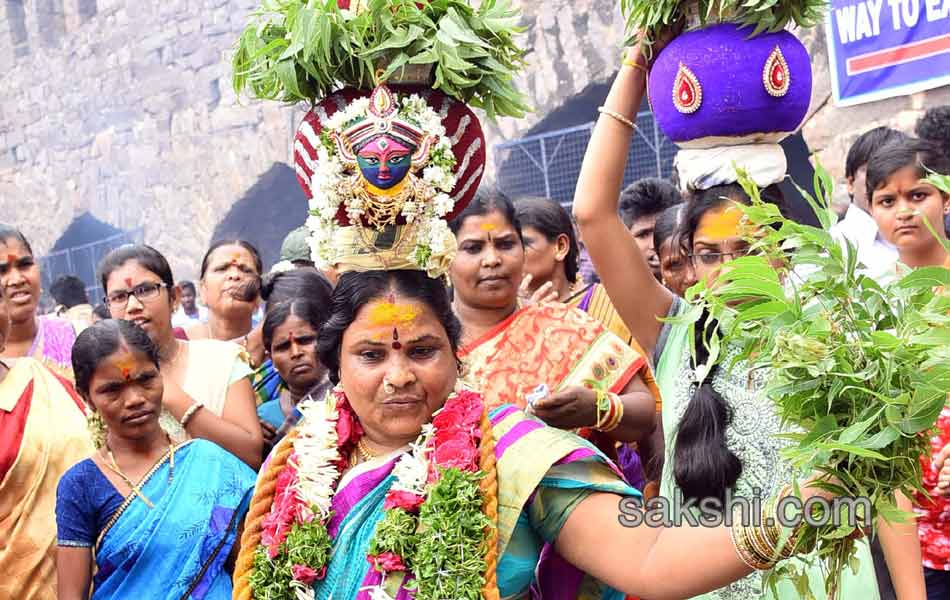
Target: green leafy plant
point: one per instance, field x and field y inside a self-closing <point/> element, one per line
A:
<point x="859" y="370"/>
<point x="272" y="578"/>
<point x="649" y="16"/>
<point x="449" y="561"/>
<point x="303" y="50"/>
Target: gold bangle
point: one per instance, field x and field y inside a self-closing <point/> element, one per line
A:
<point x="189" y="414"/>
<point x="617" y="116"/>
<point x="636" y="65"/>
<point x="744" y="550"/>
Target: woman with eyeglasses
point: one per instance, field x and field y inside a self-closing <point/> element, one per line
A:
<point x="207" y="390"/>
<point x="44" y="338"/>
<point x="721" y="432"/>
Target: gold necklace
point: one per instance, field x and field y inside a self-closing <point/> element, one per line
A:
<point x="114" y="467"/>
<point x="362" y="453"/>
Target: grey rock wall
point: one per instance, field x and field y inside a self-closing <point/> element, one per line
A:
<point x="125" y="109"/>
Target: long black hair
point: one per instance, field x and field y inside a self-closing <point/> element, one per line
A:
<point x="149" y="258"/>
<point x="922" y="155"/>
<point x="703" y="465"/>
<point x="101" y="340"/>
<point x="552" y="221"/>
<point x="486" y="201"/>
<point x="355" y="290"/>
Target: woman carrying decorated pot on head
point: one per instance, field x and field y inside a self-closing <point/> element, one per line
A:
<point x="726" y="98"/>
<point x="403" y="483"/>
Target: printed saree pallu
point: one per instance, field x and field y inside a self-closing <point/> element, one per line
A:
<point x="552" y="344"/>
<point x="178" y="548"/>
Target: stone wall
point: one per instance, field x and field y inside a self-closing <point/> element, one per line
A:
<point x="125" y="109"/>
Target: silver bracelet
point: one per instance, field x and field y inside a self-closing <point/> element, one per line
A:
<point x="189" y="414"/>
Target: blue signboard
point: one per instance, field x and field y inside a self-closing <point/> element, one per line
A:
<point x="884" y="48"/>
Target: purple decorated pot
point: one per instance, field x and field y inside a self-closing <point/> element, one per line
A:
<point x="717" y="86"/>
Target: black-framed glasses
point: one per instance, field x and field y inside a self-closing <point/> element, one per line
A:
<point x="714" y="259"/>
<point x="143" y="292"/>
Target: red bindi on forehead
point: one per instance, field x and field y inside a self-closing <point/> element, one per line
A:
<point x="11" y="259"/>
<point x="128" y="282"/>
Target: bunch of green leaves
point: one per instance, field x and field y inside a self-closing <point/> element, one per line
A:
<point x="307" y="544"/>
<point x="860" y="370"/>
<point x="303" y="50"/>
<point x="649" y="16"/>
<point x="396" y="533"/>
<point x="449" y="561"/>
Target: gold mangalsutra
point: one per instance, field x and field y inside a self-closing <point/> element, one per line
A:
<point x="114" y="467"/>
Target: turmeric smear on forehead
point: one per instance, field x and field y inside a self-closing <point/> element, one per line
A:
<point x="390" y="314"/>
<point x="721" y="224"/>
<point x="125" y="365"/>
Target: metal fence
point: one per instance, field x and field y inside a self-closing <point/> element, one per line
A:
<point x="82" y="261"/>
<point x="549" y="164"/>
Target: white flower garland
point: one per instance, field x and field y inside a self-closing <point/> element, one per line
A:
<point x="316" y="455"/>
<point x="431" y="239"/>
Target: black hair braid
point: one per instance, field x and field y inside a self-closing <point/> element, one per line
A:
<point x="703" y="466"/>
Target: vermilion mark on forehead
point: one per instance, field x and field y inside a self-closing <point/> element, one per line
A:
<point x="291" y="338"/>
<point x="397" y="345"/>
<point x="128" y="282"/>
<point x="11" y="259"/>
<point x="125" y="366"/>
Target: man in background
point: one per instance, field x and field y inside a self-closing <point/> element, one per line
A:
<point x="934" y="127"/>
<point x="69" y="292"/>
<point x="189" y="313"/>
<point x="640" y="204"/>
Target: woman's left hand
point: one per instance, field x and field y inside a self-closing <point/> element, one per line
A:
<point x="570" y="408"/>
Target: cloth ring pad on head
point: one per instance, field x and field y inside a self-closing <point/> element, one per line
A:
<point x="704" y="168"/>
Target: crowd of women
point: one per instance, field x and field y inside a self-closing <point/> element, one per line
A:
<point x="130" y="452"/>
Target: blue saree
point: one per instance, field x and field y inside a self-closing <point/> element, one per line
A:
<point x="535" y="498"/>
<point x="177" y="548"/>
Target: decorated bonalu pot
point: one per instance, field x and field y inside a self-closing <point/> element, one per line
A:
<point x="717" y="86"/>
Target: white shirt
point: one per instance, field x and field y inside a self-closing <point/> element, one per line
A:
<point x="874" y="252"/>
<point x="180" y="319"/>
